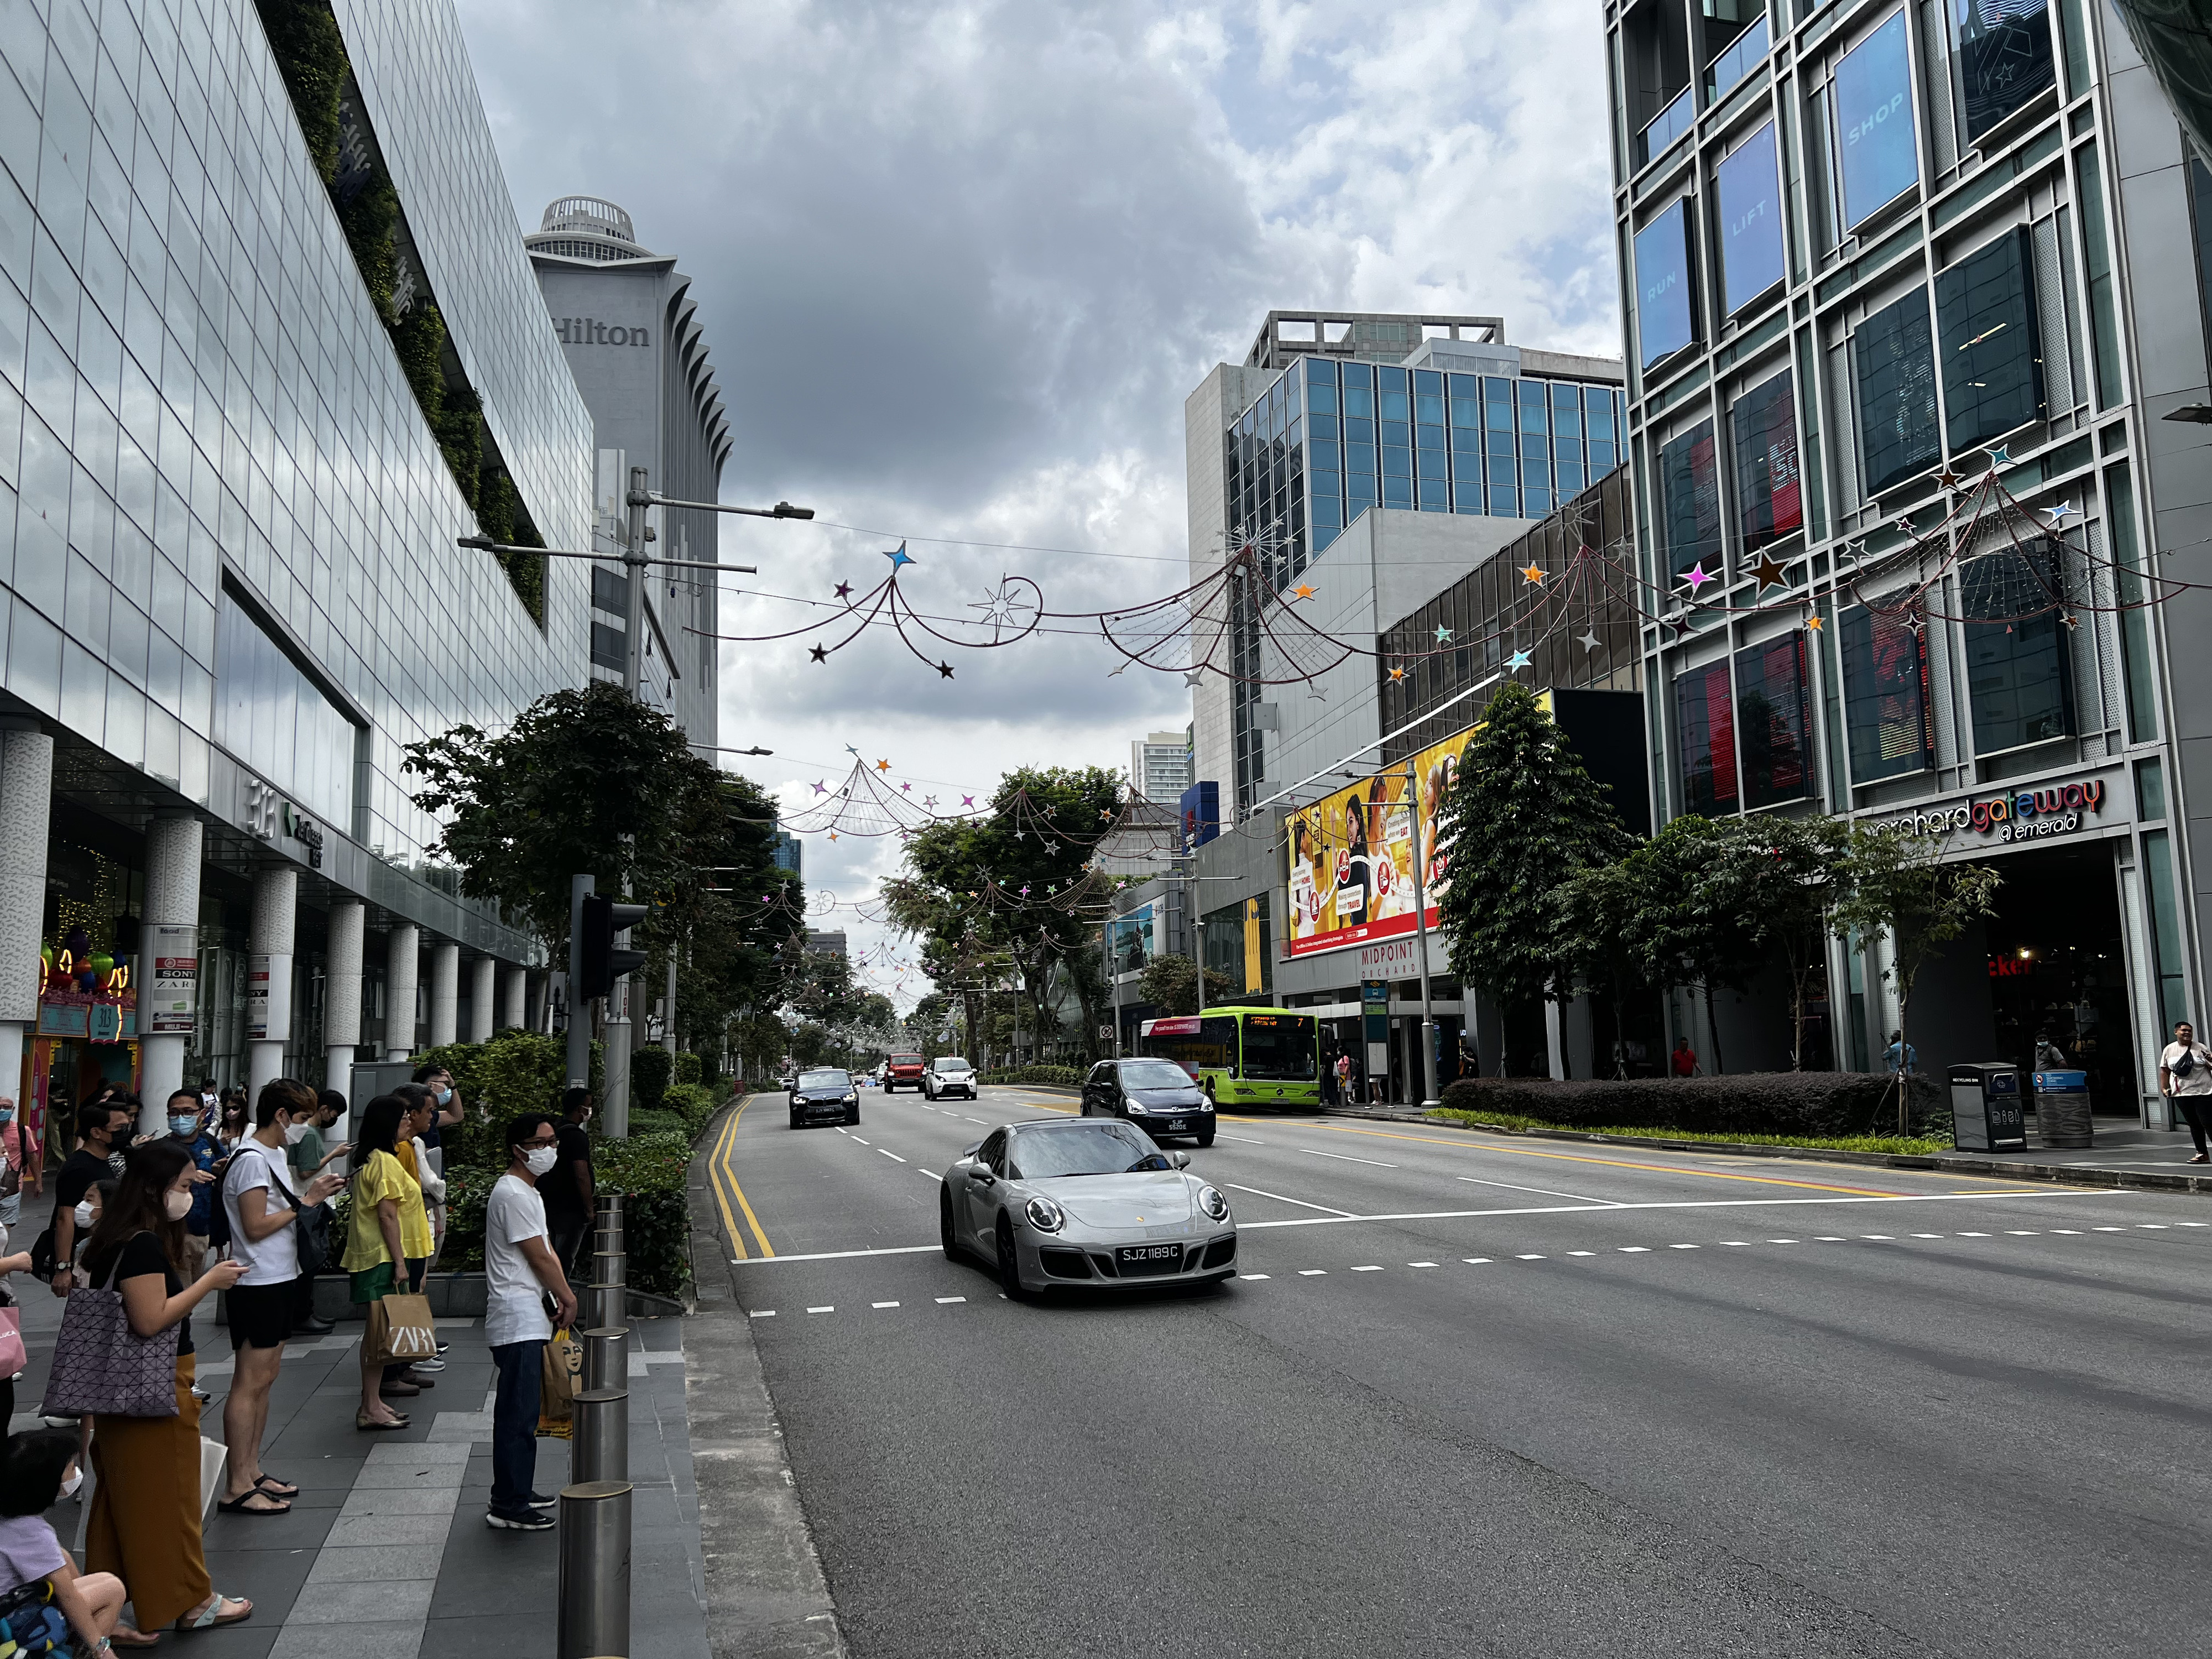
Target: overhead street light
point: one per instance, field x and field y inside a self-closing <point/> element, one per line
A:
<point x="725" y="749"/>
<point x="781" y="510"/>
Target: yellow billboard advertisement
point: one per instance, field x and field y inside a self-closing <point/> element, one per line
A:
<point x="1351" y="856"/>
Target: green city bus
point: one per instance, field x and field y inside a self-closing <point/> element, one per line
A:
<point x="1243" y="1056"/>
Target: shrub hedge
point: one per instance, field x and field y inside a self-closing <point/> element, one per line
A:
<point x="1069" y="1077"/>
<point x="649" y="1069"/>
<point x="1797" y="1104"/>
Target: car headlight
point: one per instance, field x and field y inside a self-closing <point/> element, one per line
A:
<point x="1044" y="1215"/>
<point x="852" y="1097"/>
<point x="1211" y="1201"/>
<point x="1137" y="1109"/>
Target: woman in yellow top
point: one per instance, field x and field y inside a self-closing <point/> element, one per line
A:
<point x="376" y="1243"/>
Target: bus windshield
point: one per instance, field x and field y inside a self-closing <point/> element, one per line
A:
<point x="1279" y="1046"/>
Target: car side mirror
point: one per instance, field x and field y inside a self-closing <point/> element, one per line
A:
<point x="1181" y="1160"/>
<point x="971" y="1151"/>
<point x="981" y="1173"/>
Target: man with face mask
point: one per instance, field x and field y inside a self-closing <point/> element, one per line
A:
<point x="519" y="1273"/>
<point x="208" y="1156"/>
<point x="99" y="1129"/>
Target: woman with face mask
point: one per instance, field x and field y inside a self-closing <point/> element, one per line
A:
<point x="145" y="1521"/>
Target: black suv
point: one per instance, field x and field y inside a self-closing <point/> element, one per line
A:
<point x="824" y="1096"/>
<point x="1157" y="1094"/>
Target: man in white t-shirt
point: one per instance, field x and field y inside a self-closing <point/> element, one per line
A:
<point x="261" y="1308"/>
<point x="520" y="1270"/>
<point x="2185" y="1076"/>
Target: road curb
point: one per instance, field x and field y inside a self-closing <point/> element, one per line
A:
<point x="2074" y="1175"/>
<point x="766" y="1596"/>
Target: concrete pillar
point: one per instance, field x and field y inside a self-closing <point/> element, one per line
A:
<point x="342" y="1004"/>
<point x="512" y="1013"/>
<point x="444" y="994"/>
<point x="168" y="962"/>
<point x="269" y="974"/>
<point x="399" y="983"/>
<point x="26" y="776"/>
<point x="481" y="993"/>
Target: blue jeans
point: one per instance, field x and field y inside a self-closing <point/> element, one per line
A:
<point x="514" y="1426"/>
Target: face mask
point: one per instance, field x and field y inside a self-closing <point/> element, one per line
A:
<point x="540" y="1159"/>
<point x="83" y="1213"/>
<point x="445" y="1097"/>
<point x="6" y="1113"/>
<point x="71" y="1482"/>
<point x="183" y="1126"/>
<point x="178" y="1205"/>
<point x="294" y="1133"/>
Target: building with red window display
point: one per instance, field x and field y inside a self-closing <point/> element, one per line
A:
<point x="1875" y="255"/>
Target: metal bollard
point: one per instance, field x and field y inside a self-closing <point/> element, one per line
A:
<point x="607" y="1267"/>
<point x="599" y="1445"/>
<point x="594" y="1583"/>
<point x="606" y="1356"/>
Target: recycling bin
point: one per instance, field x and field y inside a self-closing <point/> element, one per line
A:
<point x="2062" y="1109"/>
<point x="1986" y="1113"/>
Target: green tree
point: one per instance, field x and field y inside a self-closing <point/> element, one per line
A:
<point x="1522" y="816"/>
<point x="1896" y="885"/>
<point x="1693" y="923"/>
<point x="1591" y="913"/>
<point x="1792" y="885"/>
<point x="1171" y="984"/>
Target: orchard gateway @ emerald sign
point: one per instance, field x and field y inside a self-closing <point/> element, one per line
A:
<point x="2021" y="815"/>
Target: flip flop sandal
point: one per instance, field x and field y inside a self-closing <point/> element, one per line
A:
<point x="276" y="1488"/>
<point x="238" y="1505"/>
<point x="369" y="1424"/>
<point x="123" y="1637"/>
<point x="210" y="1616"/>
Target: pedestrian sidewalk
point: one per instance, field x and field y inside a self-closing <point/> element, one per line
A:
<point x="386" y="1555"/>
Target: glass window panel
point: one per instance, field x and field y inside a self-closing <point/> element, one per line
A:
<point x="1535" y="473"/>
<point x="1359" y="401"/>
<point x="1570" y="476"/>
<point x="1663" y="320"/>
<point x="1535" y="503"/>
<point x="1601" y="459"/>
<point x="1690" y="496"/>
<point x="1321" y="430"/>
<point x="1502" y="473"/>
<point x="1429" y="408"/>
<point x="1895" y="357"/>
<point x="1397" y="463"/>
<point x="1992" y="359"/>
<point x="2004" y="59"/>
<point x="1430" y="463"/>
<point x="1321" y="399"/>
<point x="1429" y="380"/>
<point x="1705" y="737"/>
<point x="1359" y="433"/>
<point x="1394" y="405"/>
<point x="1763" y="440"/>
<point x="2020" y="671"/>
<point x="1505" y="500"/>
<point x="1769" y="719"/>
<point x="1876" y="152"/>
<point x="1465" y="411"/>
<point x="1466" y="496"/>
<point x="1434" y="496"/>
<point x="1886" y="701"/>
<point x="1748" y="185"/>
<point x="1428" y="437"/>
<point x="1397" y="492"/>
<point x="1396" y="432"/>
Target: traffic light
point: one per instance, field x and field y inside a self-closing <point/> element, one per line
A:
<point x="599" y="962"/>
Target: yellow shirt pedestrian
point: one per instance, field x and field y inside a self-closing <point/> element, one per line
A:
<point x="381" y="1178"/>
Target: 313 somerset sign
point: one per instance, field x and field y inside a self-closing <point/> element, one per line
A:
<point x="2017" y="816"/>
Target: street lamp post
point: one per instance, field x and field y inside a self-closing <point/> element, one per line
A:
<point x="1430" y="1100"/>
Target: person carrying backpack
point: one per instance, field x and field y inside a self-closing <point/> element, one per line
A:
<point x="2185" y="1077"/>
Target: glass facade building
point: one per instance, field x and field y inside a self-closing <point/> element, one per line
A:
<point x="1873" y="274"/>
<point x="228" y="578"/>
<point x="1328" y="439"/>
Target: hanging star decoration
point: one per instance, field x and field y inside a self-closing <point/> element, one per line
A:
<point x="1999" y="456"/>
<point x="883" y="766"/>
<point x="1302" y="592"/>
<point x="1697" y="576"/>
<point x="898" y="557"/>
<point x="944" y="670"/>
<point x="1397" y="674"/>
<point x="2071" y="619"/>
<point x="1196" y="677"/>
<point x="905" y="787"/>
<point x="1518" y="660"/>
<point x="929" y="800"/>
<point x="1533" y="575"/>
<point x="1947" y="479"/>
<point x="2059" y="515"/>
<point x="819" y="653"/>
<point x="833" y="834"/>
<point x="821" y="787"/>
<point x="853" y="753"/>
<point x="1813" y="623"/>
<point x="1589" y="642"/>
<point x="844" y="590"/>
<point x="1444" y="635"/>
<point x="1905" y="524"/>
<point x="967" y="800"/>
<point x="1767" y="571"/>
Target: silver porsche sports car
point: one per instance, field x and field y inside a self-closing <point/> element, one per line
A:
<point x="1083" y="1201"/>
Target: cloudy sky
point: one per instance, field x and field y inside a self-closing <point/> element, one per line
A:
<point x="959" y="265"/>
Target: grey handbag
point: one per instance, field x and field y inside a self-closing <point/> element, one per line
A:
<point x="102" y="1366"/>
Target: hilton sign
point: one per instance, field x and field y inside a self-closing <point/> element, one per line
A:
<point x="590" y="331"/>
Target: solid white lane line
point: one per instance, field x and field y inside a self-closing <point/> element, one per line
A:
<point x="1341" y="1159"/>
<point x="1475" y="1260"/>
<point x="2108" y="1230"/>
<point x="1737" y="1243"/>
<point x="883" y="1305"/>
<point x="1782" y="1241"/>
<point x="1345" y="1214"/>
<point x="943" y="1301"/>
<point x="1546" y="1191"/>
<point x="829" y="1308"/>
<point x="1831" y="1238"/>
<point x="1420" y="1264"/>
<point x="1972" y="1235"/>
<point x="840" y="1255"/>
<point x="1635" y="1249"/>
<point x="1939" y="1235"/>
<point x="2071" y="1232"/>
<point x="2027" y="1232"/>
<point x="1313" y="1273"/>
<point x="1886" y="1238"/>
<point x="1367" y="1270"/>
<point x="1685" y="1246"/>
<point x="1338" y="1217"/>
<point x="2152" y="1226"/>
<point x="1251" y="1276"/>
<point x="1527" y="1258"/>
<point x="894" y="1157"/>
<point x="1581" y="1252"/>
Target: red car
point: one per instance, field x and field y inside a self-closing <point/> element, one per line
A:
<point x="903" y="1069"/>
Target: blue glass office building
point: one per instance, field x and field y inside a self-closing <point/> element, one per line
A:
<point x="229" y="585"/>
<point x="1330" y="439"/>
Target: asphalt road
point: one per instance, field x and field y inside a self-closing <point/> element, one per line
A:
<point x="1481" y="1396"/>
